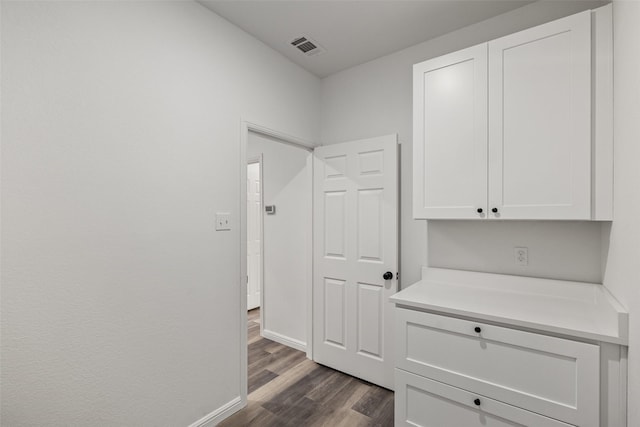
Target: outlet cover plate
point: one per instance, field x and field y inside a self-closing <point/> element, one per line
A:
<point x="223" y="221"/>
<point x="521" y="255"/>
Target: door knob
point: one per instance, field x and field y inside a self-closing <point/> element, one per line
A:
<point x="387" y="276"/>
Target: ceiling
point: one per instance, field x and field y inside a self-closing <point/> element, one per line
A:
<point x="353" y="32"/>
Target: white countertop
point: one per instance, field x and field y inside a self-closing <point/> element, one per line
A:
<point x="576" y="309"/>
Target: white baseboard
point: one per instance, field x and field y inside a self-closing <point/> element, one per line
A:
<point x="215" y="417"/>
<point x="289" y="342"/>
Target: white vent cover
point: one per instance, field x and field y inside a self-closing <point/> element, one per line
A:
<point x="307" y="45"/>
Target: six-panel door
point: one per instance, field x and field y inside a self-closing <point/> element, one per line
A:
<point x="355" y="244"/>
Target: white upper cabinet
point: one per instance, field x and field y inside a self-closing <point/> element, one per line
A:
<point x="505" y="130"/>
<point x="540" y="121"/>
<point x="450" y="163"/>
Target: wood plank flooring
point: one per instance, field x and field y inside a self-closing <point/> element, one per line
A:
<point x="287" y="389"/>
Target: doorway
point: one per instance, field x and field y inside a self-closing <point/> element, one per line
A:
<point x="254" y="232"/>
<point x="250" y="130"/>
<point x="368" y="241"/>
<point x="285" y="223"/>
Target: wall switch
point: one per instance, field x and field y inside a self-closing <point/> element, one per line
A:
<point x="223" y="221"/>
<point x="522" y="256"/>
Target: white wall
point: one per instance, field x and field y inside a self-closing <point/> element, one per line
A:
<point x="287" y="236"/>
<point x="488" y="246"/>
<point x="623" y="262"/>
<point x="375" y="99"/>
<point x="120" y="141"/>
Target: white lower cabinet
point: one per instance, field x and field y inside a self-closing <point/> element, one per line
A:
<point x="428" y="403"/>
<point x="482" y="349"/>
<point x="458" y="372"/>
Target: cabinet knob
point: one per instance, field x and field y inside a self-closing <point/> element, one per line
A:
<point x="479" y="210"/>
<point x="494" y="210"/>
<point x="477" y="401"/>
<point x="477" y="329"/>
<point x="387" y="276"/>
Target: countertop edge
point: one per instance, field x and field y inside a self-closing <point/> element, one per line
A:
<point x="507" y="321"/>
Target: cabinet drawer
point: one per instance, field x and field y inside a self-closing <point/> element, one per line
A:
<point x="555" y="377"/>
<point x="424" y="402"/>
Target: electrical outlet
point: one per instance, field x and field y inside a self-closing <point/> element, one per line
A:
<point x="223" y="221"/>
<point x="521" y="256"/>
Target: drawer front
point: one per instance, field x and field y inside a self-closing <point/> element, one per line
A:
<point x="551" y="376"/>
<point x="424" y="402"/>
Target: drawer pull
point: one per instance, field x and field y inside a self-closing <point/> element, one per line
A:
<point x="477" y="329"/>
<point x="477" y="402"/>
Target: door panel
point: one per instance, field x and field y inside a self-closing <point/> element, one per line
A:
<point x="540" y="121"/>
<point x="334" y="312"/>
<point x="370" y="232"/>
<point x="356" y="242"/>
<point x="370" y="328"/>
<point x="335" y="214"/>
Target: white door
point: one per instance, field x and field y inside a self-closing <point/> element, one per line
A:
<point x="355" y="244"/>
<point x="254" y="235"/>
<point x="450" y="135"/>
<point x="540" y="122"/>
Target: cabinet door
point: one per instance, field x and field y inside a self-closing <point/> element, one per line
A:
<point x="540" y="122"/>
<point x="450" y="135"/>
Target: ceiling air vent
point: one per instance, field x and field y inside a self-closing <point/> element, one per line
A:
<point x="307" y="46"/>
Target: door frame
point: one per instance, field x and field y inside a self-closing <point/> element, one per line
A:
<point x="251" y="160"/>
<point x="247" y="126"/>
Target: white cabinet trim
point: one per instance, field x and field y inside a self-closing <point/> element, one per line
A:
<point x="602" y="184"/>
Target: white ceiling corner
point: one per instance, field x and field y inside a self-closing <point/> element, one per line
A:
<point x="353" y="32"/>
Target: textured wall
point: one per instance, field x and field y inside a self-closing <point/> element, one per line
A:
<point x="120" y="141"/>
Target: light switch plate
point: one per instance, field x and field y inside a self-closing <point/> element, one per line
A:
<point x="223" y="221"/>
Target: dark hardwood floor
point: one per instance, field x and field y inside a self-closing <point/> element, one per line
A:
<point x="287" y="389"/>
